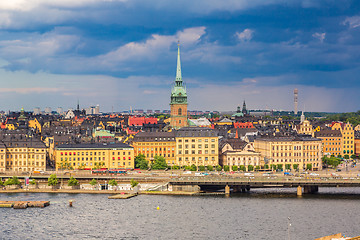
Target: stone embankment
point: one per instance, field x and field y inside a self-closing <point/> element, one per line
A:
<point x="24" y="204"/>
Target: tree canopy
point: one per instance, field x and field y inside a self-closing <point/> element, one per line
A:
<point x="52" y="180"/>
<point x="141" y="162"/>
<point x="159" y="163"/>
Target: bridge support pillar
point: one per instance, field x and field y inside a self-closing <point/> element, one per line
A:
<point x="236" y="189"/>
<point x="227" y="190"/>
<point x="311" y="189"/>
<point x="299" y="191"/>
<point x="243" y="189"/>
<point x="248" y="188"/>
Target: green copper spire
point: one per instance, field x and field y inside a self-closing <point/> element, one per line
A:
<point x="178" y="68"/>
<point x="178" y="92"/>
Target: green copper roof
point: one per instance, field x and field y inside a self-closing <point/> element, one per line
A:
<point x="178" y="92"/>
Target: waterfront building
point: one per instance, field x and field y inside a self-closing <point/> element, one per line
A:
<point x="293" y="151"/>
<point x="153" y="144"/>
<point x="93" y="156"/>
<point x="178" y="103"/>
<point x="331" y="141"/>
<point x="18" y="153"/>
<point x="198" y="146"/>
<point x="347" y="141"/>
<point x="236" y="152"/>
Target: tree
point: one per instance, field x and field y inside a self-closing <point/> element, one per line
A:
<point x="201" y="168"/>
<point x="113" y="182"/>
<point x="296" y="166"/>
<point x="52" y="180"/>
<point x="287" y="166"/>
<point x="210" y="168"/>
<point x="257" y="168"/>
<point x="93" y="182"/>
<point x="133" y="183"/>
<point x="280" y="166"/>
<point x="1" y="183"/>
<point x="175" y="167"/>
<point x="12" y="181"/>
<point x="242" y="168"/>
<point x="266" y="166"/>
<point x="226" y="168"/>
<point x="273" y="166"/>
<point x="234" y="168"/>
<point x="141" y="162"/>
<point x="218" y="168"/>
<point x="32" y="182"/>
<point x="250" y="168"/>
<point x="353" y="156"/>
<point x="73" y="182"/>
<point x="193" y="168"/>
<point x="308" y="166"/>
<point x="159" y="163"/>
<point x="346" y="156"/>
<point x="339" y="156"/>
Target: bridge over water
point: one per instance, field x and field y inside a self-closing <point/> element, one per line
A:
<point x="242" y="184"/>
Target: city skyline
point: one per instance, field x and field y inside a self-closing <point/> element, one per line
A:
<point x="123" y="53"/>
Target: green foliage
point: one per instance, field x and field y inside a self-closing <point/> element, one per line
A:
<point x="250" y="168"/>
<point x="52" y="180"/>
<point x="266" y="166"/>
<point x="287" y="166"/>
<point x="257" y="168"/>
<point x="1" y="183"/>
<point x="331" y="161"/>
<point x="141" y="162"/>
<point x="308" y="166"/>
<point x="353" y="156"/>
<point x="175" y="167"/>
<point x="226" y="168"/>
<point x="12" y="181"/>
<point x="218" y="168"/>
<point x="339" y="156"/>
<point x="193" y="167"/>
<point x="234" y="168"/>
<point x="73" y="182"/>
<point x="159" y="163"/>
<point x="280" y="166"/>
<point x="346" y="156"/>
<point x="113" y="182"/>
<point x="352" y="117"/>
<point x="210" y="168"/>
<point x="296" y="166"/>
<point x="201" y="168"/>
<point x="273" y="166"/>
<point x="133" y="183"/>
<point x="242" y="168"/>
<point x="32" y="182"/>
<point x="187" y="168"/>
<point x="93" y="182"/>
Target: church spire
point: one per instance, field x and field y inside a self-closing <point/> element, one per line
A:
<point x="178" y="68"/>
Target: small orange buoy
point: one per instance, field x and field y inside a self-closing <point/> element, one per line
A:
<point x="70" y="203"/>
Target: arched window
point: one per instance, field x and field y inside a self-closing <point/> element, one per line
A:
<point x="179" y="111"/>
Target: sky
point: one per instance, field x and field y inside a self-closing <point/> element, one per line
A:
<point x="122" y="53"/>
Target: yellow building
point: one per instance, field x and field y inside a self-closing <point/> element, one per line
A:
<point x="35" y="124"/>
<point x="93" y="156"/>
<point x="198" y="146"/>
<point x="290" y="151"/>
<point x="153" y="144"/>
<point x="22" y="155"/>
<point x="348" y="140"/>
<point x="305" y="128"/>
<point x="331" y="141"/>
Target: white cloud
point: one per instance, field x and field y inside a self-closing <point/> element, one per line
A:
<point x="245" y="35"/>
<point x="353" y="22"/>
<point x="320" y="36"/>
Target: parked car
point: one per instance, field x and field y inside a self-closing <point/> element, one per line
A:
<point x="288" y="174"/>
<point x="248" y="174"/>
<point x="314" y="174"/>
<point x="335" y="175"/>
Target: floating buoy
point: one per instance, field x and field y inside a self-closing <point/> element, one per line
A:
<point x="158" y="208"/>
<point x="70" y="203"/>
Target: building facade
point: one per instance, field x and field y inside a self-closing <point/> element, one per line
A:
<point x="331" y="141"/>
<point x="198" y="146"/>
<point x="152" y="144"/>
<point x="236" y="152"/>
<point x="22" y="155"/>
<point x="295" y="152"/>
<point x="348" y="138"/>
<point x="94" y="156"/>
<point x="178" y="101"/>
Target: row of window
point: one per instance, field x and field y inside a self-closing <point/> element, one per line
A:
<point x="311" y="147"/>
<point x="295" y="154"/>
<point x="160" y="149"/>
<point x="194" y="146"/>
<point x="15" y="163"/>
<point x="199" y="140"/>
<point x="194" y="159"/>
<point x="91" y="153"/>
<point x="194" y="152"/>
<point x="86" y="158"/>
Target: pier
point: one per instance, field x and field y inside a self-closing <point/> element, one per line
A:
<point x="24" y="204"/>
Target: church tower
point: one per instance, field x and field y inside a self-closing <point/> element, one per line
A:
<point x="178" y="102"/>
